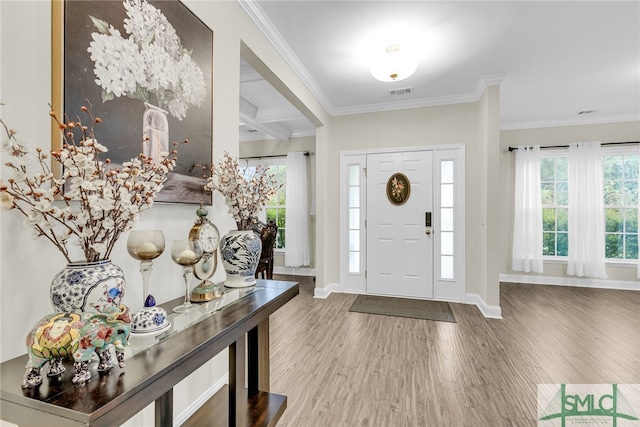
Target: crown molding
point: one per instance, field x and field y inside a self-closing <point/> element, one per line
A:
<point x="248" y="114"/>
<point x="569" y="122"/>
<point x="255" y="12"/>
<point x="404" y="105"/>
<point x="268" y="115"/>
<point x="260" y="136"/>
<point x="481" y="86"/>
<point x="490" y="80"/>
<point x="257" y="15"/>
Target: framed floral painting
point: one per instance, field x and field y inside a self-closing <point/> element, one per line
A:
<point x="398" y="189"/>
<point x="146" y="67"/>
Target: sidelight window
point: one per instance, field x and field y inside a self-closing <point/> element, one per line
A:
<point x="355" y="226"/>
<point x="447" y="207"/>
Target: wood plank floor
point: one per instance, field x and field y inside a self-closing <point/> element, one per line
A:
<point x="351" y="369"/>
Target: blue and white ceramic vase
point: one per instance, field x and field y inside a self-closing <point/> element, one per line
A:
<point x="87" y="286"/>
<point x="149" y="320"/>
<point x="240" y="251"/>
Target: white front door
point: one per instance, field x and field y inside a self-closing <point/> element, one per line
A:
<point x="399" y="240"/>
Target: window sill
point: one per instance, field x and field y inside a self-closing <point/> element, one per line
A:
<point x="555" y="260"/>
<point x="608" y="263"/>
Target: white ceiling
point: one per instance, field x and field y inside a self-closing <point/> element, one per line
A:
<point x="265" y="113"/>
<point x="553" y="59"/>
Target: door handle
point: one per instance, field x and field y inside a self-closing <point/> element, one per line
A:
<point x="427" y="231"/>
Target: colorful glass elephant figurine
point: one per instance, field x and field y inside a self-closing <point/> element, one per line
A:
<point x="76" y="335"/>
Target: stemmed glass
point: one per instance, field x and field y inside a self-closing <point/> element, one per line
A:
<point x="145" y="246"/>
<point x="186" y="252"/>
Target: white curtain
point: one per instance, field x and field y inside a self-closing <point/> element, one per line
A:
<point x="296" y="252"/>
<point x="527" y="222"/>
<point x="586" y="211"/>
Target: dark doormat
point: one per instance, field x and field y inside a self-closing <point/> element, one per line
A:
<point x="403" y="307"/>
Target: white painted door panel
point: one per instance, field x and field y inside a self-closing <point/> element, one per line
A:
<point x="399" y="251"/>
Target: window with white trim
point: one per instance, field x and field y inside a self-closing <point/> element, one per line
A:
<point x="621" y="205"/>
<point x="620" y="193"/>
<point x="554" y="182"/>
<point x="276" y="208"/>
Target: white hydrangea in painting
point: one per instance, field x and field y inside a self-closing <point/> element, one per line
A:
<point x="150" y="65"/>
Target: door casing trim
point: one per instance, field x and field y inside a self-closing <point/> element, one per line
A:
<point x="356" y="283"/>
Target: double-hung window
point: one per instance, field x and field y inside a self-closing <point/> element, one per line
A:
<point x="620" y="188"/>
<point x="555" y="205"/>
<point x="276" y="208"/>
<point x="620" y="195"/>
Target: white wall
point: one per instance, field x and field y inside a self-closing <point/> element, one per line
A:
<point x="471" y="124"/>
<point x="27" y="265"/>
<point x="490" y="131"/>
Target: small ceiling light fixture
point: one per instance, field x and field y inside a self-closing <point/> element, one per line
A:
<point x="394" y="64"/>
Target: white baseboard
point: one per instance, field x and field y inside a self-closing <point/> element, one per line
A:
<point x="191" y="409"/>
<point x="352" y="291"/>
<point x="571" y="281"/>
<point x="326" y="291"/>
<point x="295" y="271"/>
<point x="488" y="311"/>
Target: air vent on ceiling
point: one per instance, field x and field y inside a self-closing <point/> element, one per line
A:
<point x="403" y="91"/>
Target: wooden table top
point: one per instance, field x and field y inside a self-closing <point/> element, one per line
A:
<point x="153" y="364"/>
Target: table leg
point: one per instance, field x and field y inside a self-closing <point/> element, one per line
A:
<point x="258" y="358"/>
<point x="237" y="393"/>
<point x="164" y="410"/>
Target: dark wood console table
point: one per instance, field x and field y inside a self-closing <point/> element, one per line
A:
<point x="151" y="371"/>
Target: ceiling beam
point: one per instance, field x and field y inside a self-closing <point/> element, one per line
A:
<point x="248" y="114"/>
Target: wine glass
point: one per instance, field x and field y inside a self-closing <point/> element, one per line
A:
<point x="145" y="245"/>
<point x="186" y="252"/>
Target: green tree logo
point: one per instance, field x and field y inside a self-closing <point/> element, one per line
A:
<point x="614" y="406"/>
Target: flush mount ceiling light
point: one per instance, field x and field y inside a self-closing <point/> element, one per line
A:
<point x="394" y="64"/>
